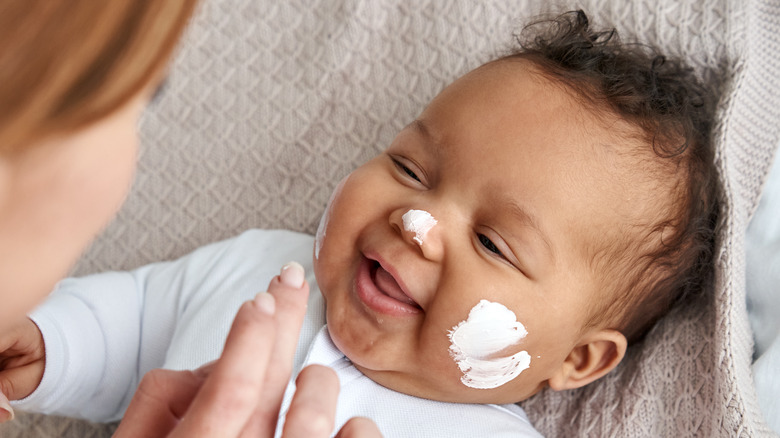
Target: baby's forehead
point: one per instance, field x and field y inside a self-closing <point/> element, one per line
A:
<point x="507" y="122"/>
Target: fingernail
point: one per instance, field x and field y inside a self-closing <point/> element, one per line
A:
<point x="292" y="275"/>
<point x="265" y="302"/>
<point x="6" y="411"/>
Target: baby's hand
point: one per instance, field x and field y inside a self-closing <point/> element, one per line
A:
<point x="22" y="359"/>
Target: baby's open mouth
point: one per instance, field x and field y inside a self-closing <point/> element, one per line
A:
<point x="387" y="284"/>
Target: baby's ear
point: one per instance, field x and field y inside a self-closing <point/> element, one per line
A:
<point x="599" y="352"/>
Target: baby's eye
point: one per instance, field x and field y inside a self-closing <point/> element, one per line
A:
<point x="489" y="245"/>
<point x="407" y="170"/>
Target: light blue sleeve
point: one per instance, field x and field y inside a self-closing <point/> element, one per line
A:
<point x="90" y="328"/>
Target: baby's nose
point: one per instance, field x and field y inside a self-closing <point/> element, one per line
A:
<point x="418" y="223"/>
<point x="421" y="229"/>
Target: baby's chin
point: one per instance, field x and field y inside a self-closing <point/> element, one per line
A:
<point x="452" y="391"/>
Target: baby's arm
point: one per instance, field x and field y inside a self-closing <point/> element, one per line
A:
<point x="90" y="328"/>
<point x="103" y="332"/>
<point x="21" y="363"/>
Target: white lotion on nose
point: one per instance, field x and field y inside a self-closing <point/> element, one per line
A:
<point x="489" y="329"/>
<point x="320" y="236"/>
<point x="418" y="222"/>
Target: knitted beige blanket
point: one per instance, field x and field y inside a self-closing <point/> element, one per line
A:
<point x="270" y="103"/>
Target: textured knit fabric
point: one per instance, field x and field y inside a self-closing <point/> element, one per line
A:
<point x="270" y="104"/>
<point x="104" y="331"/>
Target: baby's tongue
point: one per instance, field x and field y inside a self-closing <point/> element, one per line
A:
<point x="387" y="284"/>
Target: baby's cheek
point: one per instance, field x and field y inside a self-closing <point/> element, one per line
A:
<point x="481" y="346"/>
<point x="319" y="238"/>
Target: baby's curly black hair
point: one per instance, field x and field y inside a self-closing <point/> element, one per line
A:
<point x="653" y="265"/>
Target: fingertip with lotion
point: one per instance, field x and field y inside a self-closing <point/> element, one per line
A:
<point x="292" y="275"/>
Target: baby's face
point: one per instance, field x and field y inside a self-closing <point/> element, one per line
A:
<point x="514" y="174"/>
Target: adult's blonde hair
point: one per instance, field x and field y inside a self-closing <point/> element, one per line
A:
<point x="67" y="63"/>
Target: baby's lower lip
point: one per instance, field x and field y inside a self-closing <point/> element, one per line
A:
<point x="374" y="298"/>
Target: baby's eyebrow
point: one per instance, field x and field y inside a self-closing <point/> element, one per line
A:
<point x="526" y="219"/>
<point x="432" y="142"/>
<point x="421" y="128"/>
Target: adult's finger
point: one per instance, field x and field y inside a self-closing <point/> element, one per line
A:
<point x="159" y="403"/>
<point x="6" y="411"/>
<point x="313" y="408"/>
<point x="22" y="338"/>
<point x="359" y="427"/>
<point x="291" y="293"/>
<point x="232" y="391"/>
<point x="19" y="382"/>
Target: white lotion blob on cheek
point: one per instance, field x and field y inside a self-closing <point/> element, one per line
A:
<point x="320" y="236"/>
<point x="489" y="329"/>
<point x="418" y="222"/>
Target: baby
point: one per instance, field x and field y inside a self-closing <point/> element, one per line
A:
<point x="539" y="216"/>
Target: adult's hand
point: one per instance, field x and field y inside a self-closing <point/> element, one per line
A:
<point x="240" y="394"/>
<point x="22" y="360"/>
